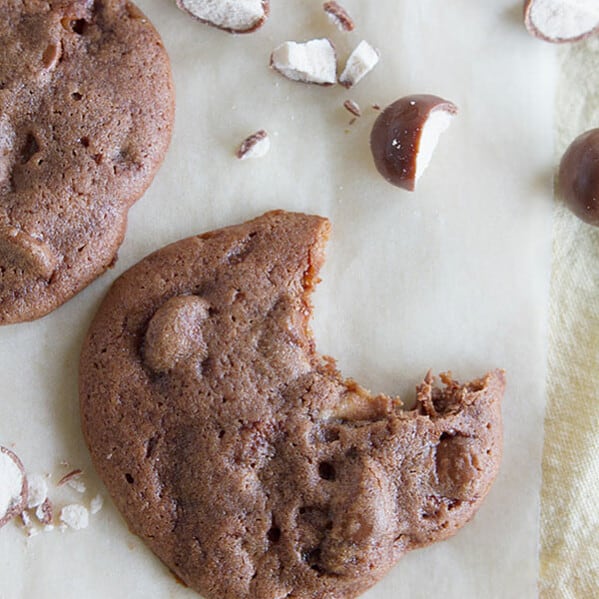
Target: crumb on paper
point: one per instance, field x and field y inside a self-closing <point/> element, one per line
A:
<point x="13" y="486"/>
<point x="313" y="61"/>
<point x="360" y="62"/>
<point x="25" y="518"/>
<point x="73" y="474"/>
<point x="254" y="146"/>
<point x="45" y="512"/>
<point x="352" y="107"/>
<point x="77" y="484"/>
<point x="339" y="16"/>
<point x="75" y="516"/>
<point x="96" y="504"/>
<point x="38" y="490"/>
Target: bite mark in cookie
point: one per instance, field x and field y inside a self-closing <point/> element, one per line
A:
<point x="240" y="455"/>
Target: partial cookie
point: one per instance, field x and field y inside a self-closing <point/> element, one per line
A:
<point x="86" y="112"/>
<point x="239" y="454"/>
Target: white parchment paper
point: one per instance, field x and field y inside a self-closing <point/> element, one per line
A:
<point x="451" y="277"/>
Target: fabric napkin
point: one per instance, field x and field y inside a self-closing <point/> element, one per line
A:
<point x="570" y="492"/>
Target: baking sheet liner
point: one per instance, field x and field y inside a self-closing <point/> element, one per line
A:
<point x="451" y="277"/>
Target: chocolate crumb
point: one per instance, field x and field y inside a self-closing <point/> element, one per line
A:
<point x="352" y="107"/>
<point x="254" y="146"/>
<point x="339" y="16"/>
<point x="69" y="476"/>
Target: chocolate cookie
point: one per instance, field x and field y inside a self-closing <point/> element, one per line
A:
<point x="86" y="112"/>
<point x="239" y="454"/>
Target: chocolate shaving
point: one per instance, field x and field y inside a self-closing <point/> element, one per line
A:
<point x="338" y="15"/>
<point x="352" y="107"/>
<point x="71" y="475"/>
<point x="15" y="508"/>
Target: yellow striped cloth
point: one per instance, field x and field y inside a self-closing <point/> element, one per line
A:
<point x="570" y="491"/>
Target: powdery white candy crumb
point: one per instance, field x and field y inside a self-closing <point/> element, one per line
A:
<point x="75" y="516"/>
<point x="338" y="16"/>
<point x="28" y="526"/>
<point x="360" y="62"/>
<point x="564" y="19"/>
<point x="38" y="490"/>
<point x="310" y="62"/>
<point x="96" y="504"/>
<point x="254" y="146"/>
<point x="77" y="484"/>
<point x="45" y="512"/>
<point x="236" y="15"/>
<point x="11" y="484"/>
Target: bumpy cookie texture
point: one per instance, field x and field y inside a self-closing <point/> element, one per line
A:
<point x="86" y="112"/>
<point x="239" y="454"/>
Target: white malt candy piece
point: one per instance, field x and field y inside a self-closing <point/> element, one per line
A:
<point x="561" y="21"/>
<point x="235" y="16"/>
<point x="360" y="62"/>
<point x="77" y="484"/>
<point x="45" y="512"/>
<point x="13" y="486"/>
<point x="96" y="504"/>
<point x="313" y="61"/>
<point x="38" y="490"/>
<point x="75" y="516"/>
<point x="254" y="146"/>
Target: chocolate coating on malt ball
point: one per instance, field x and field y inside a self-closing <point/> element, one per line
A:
<point x="13" y="486"/>
<point x="578" y="179"/>
<point x="404" y="136"/>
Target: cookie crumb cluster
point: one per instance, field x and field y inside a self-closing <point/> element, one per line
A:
<point x="27" y="498"/>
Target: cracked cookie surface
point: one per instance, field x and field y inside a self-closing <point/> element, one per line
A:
<point x="86" y="112"/>
<point x="239" y="454"/>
